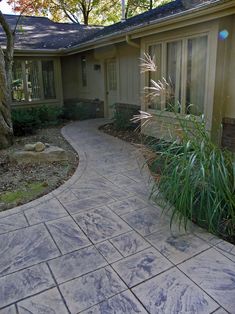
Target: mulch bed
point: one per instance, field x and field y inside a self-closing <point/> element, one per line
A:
<point x="17" y="177"/>
<point x="131" y="135"/>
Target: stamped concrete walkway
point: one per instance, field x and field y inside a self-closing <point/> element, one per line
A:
<point x="97" y="245"/>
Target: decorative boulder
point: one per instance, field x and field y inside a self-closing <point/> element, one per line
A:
<point x="50" y="154"/>
<point x="29" y="147"/>
<point x="39" y="147"/>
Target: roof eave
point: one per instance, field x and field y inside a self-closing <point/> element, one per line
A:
<point x="38" y="52"/>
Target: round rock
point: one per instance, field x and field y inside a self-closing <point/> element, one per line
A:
<point x="39" y="147"/>
<point x="29" y="147"/>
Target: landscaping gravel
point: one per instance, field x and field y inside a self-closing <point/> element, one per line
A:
<point x="43" y="177"/>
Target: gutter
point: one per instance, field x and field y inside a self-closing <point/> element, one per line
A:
<point x="38" y="52"/>
<point x="131" y="43"/>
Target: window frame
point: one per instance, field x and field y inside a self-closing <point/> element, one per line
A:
<point x="42" y="99"/>
<point x="84" y="76"/>
<point x="163" y="41"/>
<point x="112" y="75"/>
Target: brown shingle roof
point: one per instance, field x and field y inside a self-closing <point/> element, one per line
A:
<point x="42" y="33"/>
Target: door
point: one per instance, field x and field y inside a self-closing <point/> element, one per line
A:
<point x="111" y="86"/>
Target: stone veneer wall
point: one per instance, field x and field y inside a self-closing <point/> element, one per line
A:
<point x="228" y="136"/>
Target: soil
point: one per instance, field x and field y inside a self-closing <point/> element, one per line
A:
<point x="131" y="135"/>
<point x="21" y="183"/>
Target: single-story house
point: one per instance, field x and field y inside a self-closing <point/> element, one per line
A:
<point x="193" y="42"/>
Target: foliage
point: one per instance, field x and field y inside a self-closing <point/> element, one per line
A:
<point x="194" y="176"/>
<point x="28" y="120"/>
<point x="49" y="115"/>
<point x="122" y="116"/>
<point x="79" y="111"/>
<point x="134" y="7"/>
<point x="99" y="12"/>
<point x="69" y="9"/>
<point x="197" y="178"/>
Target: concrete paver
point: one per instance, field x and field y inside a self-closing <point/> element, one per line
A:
<point x="98" y="245"/>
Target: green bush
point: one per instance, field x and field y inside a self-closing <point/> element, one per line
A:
<point x="28" y="120"/>
<point x="49" y="115"/>
<point x="79" y="111"/>
<point x="25" y="121"/>
<point x="197" y="178"/>
<point x="123" y="115"/>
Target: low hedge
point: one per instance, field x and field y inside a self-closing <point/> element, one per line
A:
<point x="28" y="120"/>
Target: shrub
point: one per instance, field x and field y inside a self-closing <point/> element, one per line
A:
<point x="28" y="120"/>
<point x="79" y="111"/>
<point x="25" y="121"/>
<point x="49" y="115"/>
<point x="123" y="113"/>
<point x="197" y="178"/>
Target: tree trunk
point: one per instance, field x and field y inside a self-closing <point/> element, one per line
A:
<point x="6" y="130"/>
<point x="85" y="17"/>
<point x="6" y="61"/>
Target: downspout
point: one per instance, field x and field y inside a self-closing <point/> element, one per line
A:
<point x="131" y="43"/>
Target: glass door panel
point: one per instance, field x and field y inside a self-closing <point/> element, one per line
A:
<point x="33" y="80"/>
<point x="196" y="75"/>
<point x="18" y="88"/>
<point x="174" y="75"/>
<point x="48" y="79"/>
<point x="154" y="101"/>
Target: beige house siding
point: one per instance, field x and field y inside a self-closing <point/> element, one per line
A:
<point x="70" y="76"/>
<point x="129" y="74"/>
<point x="228" y="135"/>
<point x="230" y="97"/>
<point x="127" y="71"/>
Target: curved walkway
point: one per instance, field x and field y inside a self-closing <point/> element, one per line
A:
<point x="97" y="245"/>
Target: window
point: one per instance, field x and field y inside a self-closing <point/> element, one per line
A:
<point x="174" y="74"/>
<point x="184" y="66"/>
<point x="156" y="52"/>
<point x="112" y="75"/>
<point x="196" y="75"/>
<point x="84" y="74"/>
<point x="33" y="80"/>
<point x="48" y="79"/>
<point x="18" y="92"/>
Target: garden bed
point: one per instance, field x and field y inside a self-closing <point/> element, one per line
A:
<point x="209" y="194"/>
<point x="21" y="183"/>
<point x="130" y="135"/>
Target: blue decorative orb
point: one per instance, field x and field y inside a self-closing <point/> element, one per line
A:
<point x="223" y="34"/>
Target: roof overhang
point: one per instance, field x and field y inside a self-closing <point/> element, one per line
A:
<point x="37" y="52"/>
